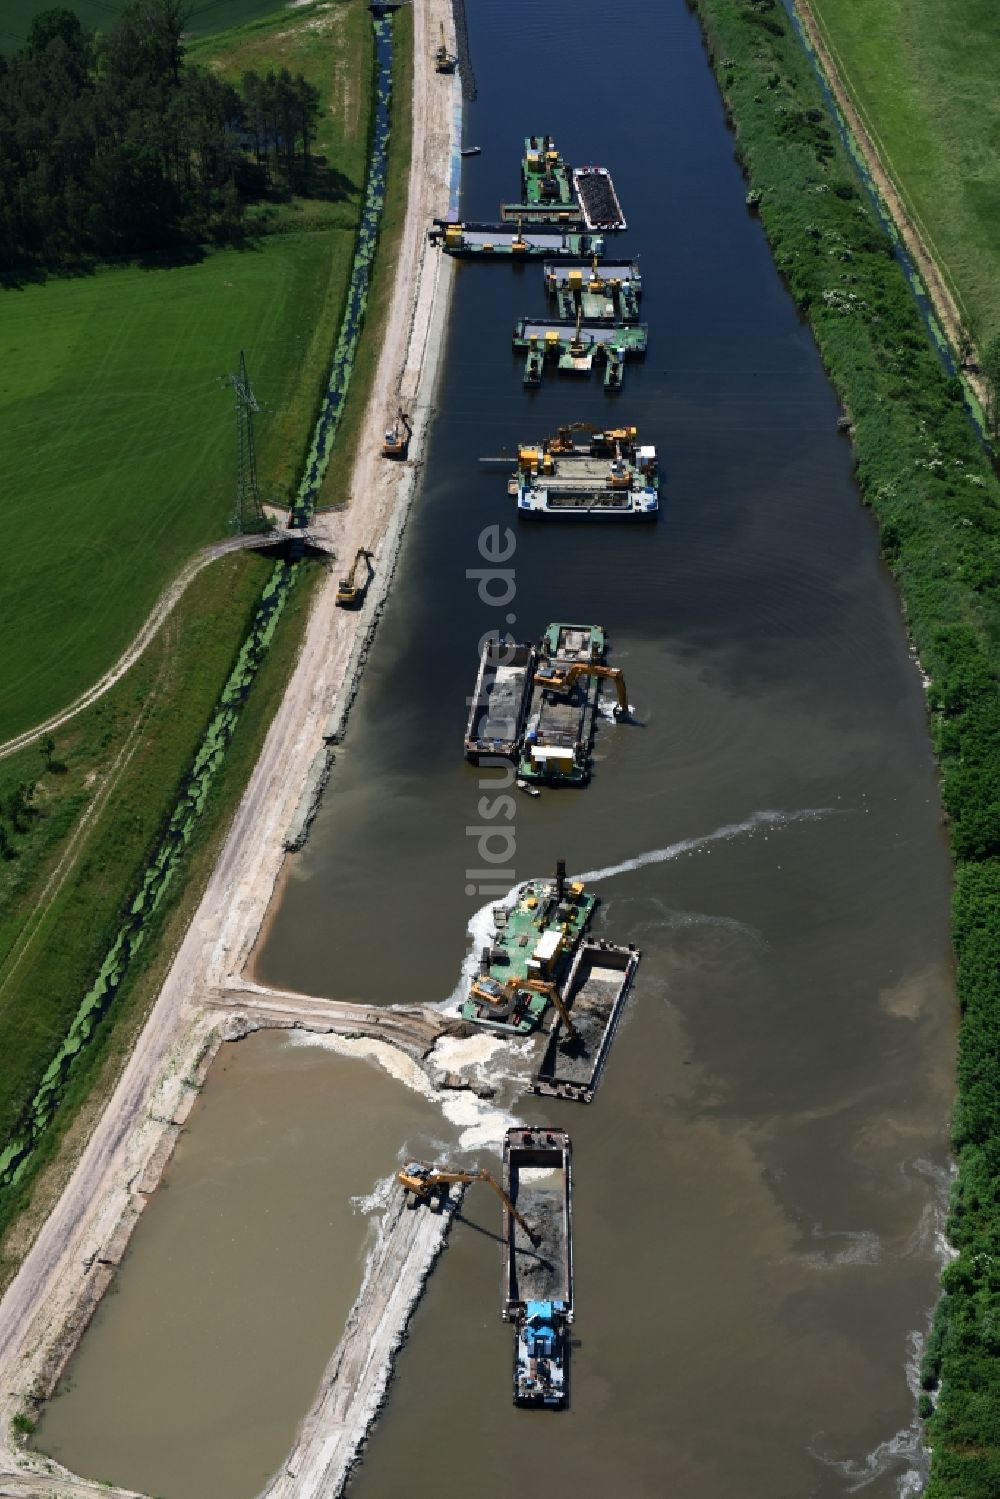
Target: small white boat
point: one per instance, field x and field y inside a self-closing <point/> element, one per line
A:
<point x="471" y="150"/>
<point x="531" y="790"/>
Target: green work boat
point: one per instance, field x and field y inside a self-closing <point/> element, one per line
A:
<point x="530" y="952"/>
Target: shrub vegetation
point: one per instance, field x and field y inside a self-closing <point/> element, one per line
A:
<point x="923" y="471"/>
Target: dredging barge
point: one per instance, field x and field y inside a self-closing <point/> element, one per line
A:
<point x="538" y="706"/>
<point x="563" y="706"/>
<point x="537" y="1280"/>
<point x="574" y="347"/>
<point x="529" y="953"/>
<point x="604" y="293"/>
<point x="520" y="241"/>
<point x="606" y="475"/>
<point x="597" y="988"/>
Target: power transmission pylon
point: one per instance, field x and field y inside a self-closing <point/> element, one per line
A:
<point x="248" y="514"/>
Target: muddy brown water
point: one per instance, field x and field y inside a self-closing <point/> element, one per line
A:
<point x="760" y="1181"/>
<point x="209" y="1348"/>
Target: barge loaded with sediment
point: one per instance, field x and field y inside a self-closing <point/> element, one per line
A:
<point x="529" y="953"/>
<point x="596" y="991"/>
<point x="606" y="475"/>
<point x="598" y="199"/>
<point x="537" y="1281"/>
<point x="498" y="707"/>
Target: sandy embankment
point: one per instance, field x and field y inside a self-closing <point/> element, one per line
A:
<point x="205" y="998"/>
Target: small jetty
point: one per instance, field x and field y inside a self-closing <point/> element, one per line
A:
<point x="606" y="475"/>
<point x="536" y="1292"/>
<point x="596" y="990"/>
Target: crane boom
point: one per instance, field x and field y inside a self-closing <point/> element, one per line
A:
<point x="423" y="1181"/>
<point x="561" y="679"/>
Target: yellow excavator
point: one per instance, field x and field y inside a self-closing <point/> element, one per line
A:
<point x="563" y="440"/>
<point x="397" y="437"/>
<point x="425" y="1182"/>
<point x="492" y="992"/>
<point x="350" y="590"/>
<point x="444" y="62"/>
<point x="559" y="678"/>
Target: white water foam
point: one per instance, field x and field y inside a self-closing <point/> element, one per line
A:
<point x="480" y="1125"/>
<point x="724" y="834"/>
<point x="857" y="1247"/>
<point x="906" y="1449"/>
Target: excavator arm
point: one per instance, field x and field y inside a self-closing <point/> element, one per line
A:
<point x="563" y="680"/>
<point x="423" y="1181"/>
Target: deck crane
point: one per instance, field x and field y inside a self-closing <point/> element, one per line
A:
<point x="425" y="1182"/>
<point x="559" y="678"/>
<point x="563" y="440"/>
<point x="349" y="589"/>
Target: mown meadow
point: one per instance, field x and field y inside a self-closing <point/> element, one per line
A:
<point x="923" y="471"/>
<point x="925" y="80"/>
<point x="117" y="434"/>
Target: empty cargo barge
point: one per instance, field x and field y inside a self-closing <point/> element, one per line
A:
<point x="537" y="1282"/>
<point x="596" y="990"/>
<point x="499" y="704"/>
<point x="608" y="475"/>
<point x="530" y="951"/>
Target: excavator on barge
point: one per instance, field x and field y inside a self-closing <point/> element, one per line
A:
<point x="556" y="677"/>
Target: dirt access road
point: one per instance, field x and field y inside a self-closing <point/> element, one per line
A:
<point x="73" y="1258"/>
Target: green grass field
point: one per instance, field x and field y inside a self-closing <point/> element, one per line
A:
<point x="204" y="16"/>
<point x="117" y="439"/>
<point x="925" y="78"/>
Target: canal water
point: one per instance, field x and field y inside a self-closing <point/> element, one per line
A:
<point x="760" y="1181"/>
<point x="208" y="1350"/>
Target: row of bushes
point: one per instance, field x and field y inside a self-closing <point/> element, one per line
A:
<point x="926" y="476"/>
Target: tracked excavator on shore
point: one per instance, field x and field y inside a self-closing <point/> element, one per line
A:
<point x="351" y="590"/>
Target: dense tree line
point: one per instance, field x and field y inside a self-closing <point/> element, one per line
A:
<point x="111" y="143"/>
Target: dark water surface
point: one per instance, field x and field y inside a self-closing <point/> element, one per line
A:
<point x="759" y="1182"/>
